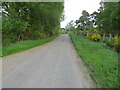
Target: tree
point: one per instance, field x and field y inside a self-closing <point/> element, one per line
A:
<point x="70" y="25"/>
<point x="108" y="17"/>
<point x="94" y="17"/>
<point x="26" y="20"/>
<point x="83" y="21"/>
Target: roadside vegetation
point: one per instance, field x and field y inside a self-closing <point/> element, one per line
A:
<point x="96" y="35"/>
<point x="28" y="24"/>
<point x="96" y="38"/>
<point x="102" y="25"/>
<point x="101" y="61"/>
<point x="25" y="45"/>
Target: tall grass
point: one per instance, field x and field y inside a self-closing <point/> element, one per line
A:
<point x="102" y="62"/>
<point x="24" y="45"/>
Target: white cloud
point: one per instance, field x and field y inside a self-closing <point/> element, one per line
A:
<point x="74" y="8"/>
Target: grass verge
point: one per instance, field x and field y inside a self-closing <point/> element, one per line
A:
<point x="24" y="45"/>
<point x="102" y="62"/>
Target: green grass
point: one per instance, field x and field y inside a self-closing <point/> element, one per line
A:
<point x="24" y="45"/>
<point x="102" y="62"/>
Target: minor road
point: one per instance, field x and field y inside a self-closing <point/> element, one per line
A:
<point x="53" y="65"/>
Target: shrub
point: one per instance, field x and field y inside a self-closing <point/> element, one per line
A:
<point x="95" y="37"/>
<point x="87" y="36"/>
<point x="92" y="34"/>
<point x="108" y="42"/>
<point x="8" y="38"/>
<point x="57" y="31"/>
<point x="42" y="35"/>
<point x="30" y="31"/>
<point x="95" y="31"/>
<point x="113" y="43"/>
<point x="79" y="32"/>
<point x="116" y="43"/>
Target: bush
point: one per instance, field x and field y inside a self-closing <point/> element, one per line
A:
<point x="8" y="38"/>
<point x="13" y="29"/>
<point x="57" y="32"/>
<point x="91" y="34"/>
<point x="42" y="35"/>
<point x="113" y="43"/>
<point x="95" y="37"/>
<point x="116" y="43"/>
<point x="79" y="32"/>
<point x="108" y="42"/>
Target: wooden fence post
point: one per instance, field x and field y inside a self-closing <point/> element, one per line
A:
<point x="87" y="34"/>
<point x="103" y="36"/>
<point x="110" y="37"/>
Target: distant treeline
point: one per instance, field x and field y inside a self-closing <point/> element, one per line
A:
<point x="30" y="20"/>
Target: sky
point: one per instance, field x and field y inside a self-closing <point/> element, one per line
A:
<point x="74" y="8"/>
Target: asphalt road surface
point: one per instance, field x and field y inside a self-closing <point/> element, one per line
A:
<point x="53" y="65"/>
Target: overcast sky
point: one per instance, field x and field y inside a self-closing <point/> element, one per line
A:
<point x="74" y="8"/>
